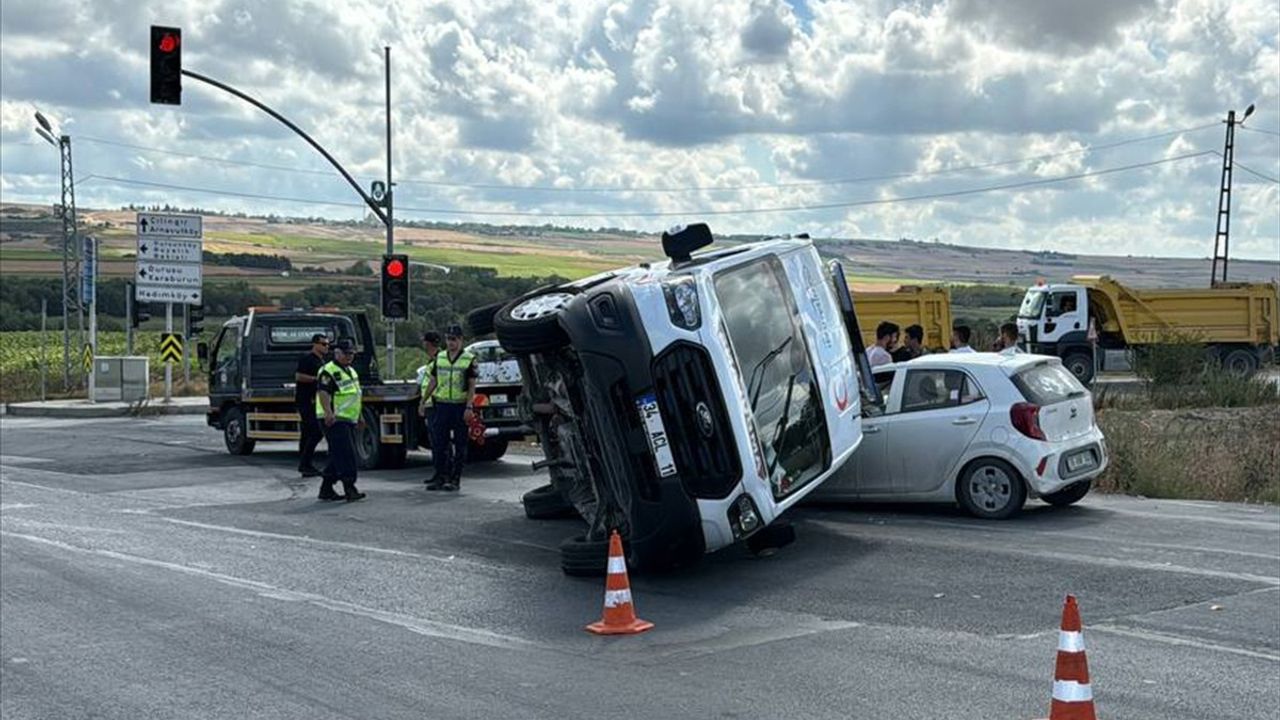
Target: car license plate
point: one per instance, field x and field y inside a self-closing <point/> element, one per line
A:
<point x="508" y="412"/>
<point x="497" y="399"/>
<point x="657" y="432"/>
<point x="1080" y="461"/>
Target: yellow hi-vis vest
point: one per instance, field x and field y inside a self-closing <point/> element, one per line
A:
<point x="427" y="371"/>
<point x="451" y="377"/>
<point x="346" y="398"/>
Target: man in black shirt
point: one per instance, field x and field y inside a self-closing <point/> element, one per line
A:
<point x="304" y="395"/>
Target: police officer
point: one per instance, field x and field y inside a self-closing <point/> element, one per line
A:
<point x="431" y="344"/>
<point x="338" y="400"/>
<point x="304" y="397"/>
<point x="452" y="387"/>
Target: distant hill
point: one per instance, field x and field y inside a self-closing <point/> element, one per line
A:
<point x="29" y="238"/>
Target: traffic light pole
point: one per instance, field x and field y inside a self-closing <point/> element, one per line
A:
<point x="391" y="324"/>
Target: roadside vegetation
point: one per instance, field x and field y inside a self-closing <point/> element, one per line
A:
<point x="1194" y="431"/>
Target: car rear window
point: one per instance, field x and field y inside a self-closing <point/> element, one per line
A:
<point x="1046" y="384"/>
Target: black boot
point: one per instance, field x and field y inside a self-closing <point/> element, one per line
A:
<point x="352" y="493"/>
<point x="434" y="482"/>
<point x="326" y="490"/>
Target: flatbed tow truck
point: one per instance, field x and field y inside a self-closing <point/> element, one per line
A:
<point x="251" y="365"/>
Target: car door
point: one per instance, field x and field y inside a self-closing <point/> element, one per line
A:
<point x="940" y="411"/>
<point x="224" y="363"/>
<point x="871" y="472"/>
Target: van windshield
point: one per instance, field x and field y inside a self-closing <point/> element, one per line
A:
<point x="1032" y="304"/>
<point x="761" y="319"/>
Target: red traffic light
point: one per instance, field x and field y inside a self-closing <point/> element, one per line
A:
<point x="168" y="43"/>
<point x="395" y="268"/>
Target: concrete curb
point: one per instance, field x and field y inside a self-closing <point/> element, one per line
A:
<point x="85" y="410"/>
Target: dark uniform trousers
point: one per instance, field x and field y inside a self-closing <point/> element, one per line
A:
<point x="342" y="453"/>
<point x="449" y="439"/>
<point x="310" y="432"/>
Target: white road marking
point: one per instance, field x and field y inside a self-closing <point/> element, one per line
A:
<point x="1081" y="558"/>
<point x="22" y="460"/>
<point x="421" y="626"/>
<point x="1171" y="639"/>
<point x="15" y="506"/>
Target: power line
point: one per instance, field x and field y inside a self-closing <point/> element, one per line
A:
<point x="1259" y="130"/>
<point x="1251" y="171"/>
<point x="684" y="213"/>
<point x="723" y="188"/>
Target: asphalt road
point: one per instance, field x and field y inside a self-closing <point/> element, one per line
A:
<point x="144" y="573"/>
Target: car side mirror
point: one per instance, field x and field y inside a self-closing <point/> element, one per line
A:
<point x="679" y="242"/>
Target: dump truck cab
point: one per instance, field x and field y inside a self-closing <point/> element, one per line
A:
<point x="688" y="403"/>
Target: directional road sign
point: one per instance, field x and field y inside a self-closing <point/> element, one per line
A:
<point x="170" y="258"/>
<point x="159" y="293"/>
<point x="170" y="250"/>
<point x="183" y="275"/>
<point x="170" y="347"/>
<point x="173" y="226"/>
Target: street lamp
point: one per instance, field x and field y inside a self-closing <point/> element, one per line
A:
<point x="62" y="142"/>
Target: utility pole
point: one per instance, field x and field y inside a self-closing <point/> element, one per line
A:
<point x="1222" y="238"/>
<point x="391" y="324"/>
<point x="66" y="212"/>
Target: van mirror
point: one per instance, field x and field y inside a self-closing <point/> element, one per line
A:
<point x="202" y="352"/>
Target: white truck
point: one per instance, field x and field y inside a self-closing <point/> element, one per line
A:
<point x="688" y="403"/>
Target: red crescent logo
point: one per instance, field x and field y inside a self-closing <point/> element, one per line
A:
<point x="842" y="397"/>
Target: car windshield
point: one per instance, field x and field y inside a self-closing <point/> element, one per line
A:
<point x="761" y="320"/>
<point x="1032" y="304"/>
<point x="1047" y="383"/>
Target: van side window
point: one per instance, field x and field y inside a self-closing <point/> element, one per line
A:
<point x="935" y="389"/>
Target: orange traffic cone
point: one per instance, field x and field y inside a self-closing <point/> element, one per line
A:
<point x="1072" y="696"/>
<point x="619" y="614"/>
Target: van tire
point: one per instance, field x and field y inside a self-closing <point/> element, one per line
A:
<point x="235" y="432"/>
<point x="546" y="503"/>
<point x="580" y="557"/>
<point x="1068" y="495"/>
<point x="986" y="480"/>
<point x="479" y="321"/>
<point x="1080" y="364"/>
<point x="524" y="333"/>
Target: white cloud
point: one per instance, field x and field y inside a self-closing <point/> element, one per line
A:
<point x="680" y="94"/>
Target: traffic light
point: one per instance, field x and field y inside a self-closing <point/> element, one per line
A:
<point x="195" y="320"/>
<point x="395" y="287"/>
<point x="166" y="65"/>
<point x="139" y="311"/>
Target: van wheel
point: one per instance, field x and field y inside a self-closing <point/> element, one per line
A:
<point x="235" y="432"/>
<point x="580" y="557"/>
<point x="991" y="489"/>
<point x="1081" y="365"/>
<point x="1240" y="362"/>
<point x="1068" y="495"/>
<point x="479" y="321"/>
<point x="531" y="324"/>
<point x="368" y="441"/>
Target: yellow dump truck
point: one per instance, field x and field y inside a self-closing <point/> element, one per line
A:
<point x="1083" y="320"/>
<point x="928" y="307"/>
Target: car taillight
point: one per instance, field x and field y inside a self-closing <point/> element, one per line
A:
<point x="1026" y="418"/>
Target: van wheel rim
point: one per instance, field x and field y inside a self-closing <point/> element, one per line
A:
<point x="540" y="307"/>
<point x="991" y="488"/>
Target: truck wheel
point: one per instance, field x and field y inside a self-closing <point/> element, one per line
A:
<point x="1068" y="495"/>
<point x="1240" y="362"/>
<point x="531" y="324"/>
<point x="491" y="451"/>
<point x="580" y="557"/>
<point x="1081" y="365"/>
<point x="991" y="489"/>
<point x="235" y="432"/>
<point x="546" y="503"/>
<point x="368" y="441"/>
<point x="479" y="321"/>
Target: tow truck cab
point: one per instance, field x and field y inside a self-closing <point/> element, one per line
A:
<point x="689" y="403"/>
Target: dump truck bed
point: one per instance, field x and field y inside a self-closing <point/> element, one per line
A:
<point x="928" y="307"/>
<point x="1243" y="313"/>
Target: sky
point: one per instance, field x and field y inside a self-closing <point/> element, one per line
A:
<point x="1092" y="126"/>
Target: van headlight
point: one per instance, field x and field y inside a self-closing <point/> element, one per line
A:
<point x="682" y="302"/>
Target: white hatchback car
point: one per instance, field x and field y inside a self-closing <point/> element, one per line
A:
<point x="981" y="429"/>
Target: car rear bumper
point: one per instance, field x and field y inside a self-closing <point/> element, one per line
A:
<point x="1055" y="457"/>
